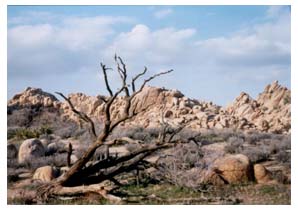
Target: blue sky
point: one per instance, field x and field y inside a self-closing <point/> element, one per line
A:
<point x="216" y="51"/>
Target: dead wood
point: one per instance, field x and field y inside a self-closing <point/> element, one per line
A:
<point x="69" y="152"/>
<point x="107" y="169"/>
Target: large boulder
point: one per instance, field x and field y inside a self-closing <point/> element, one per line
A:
<point x="46" y="173"/>
<point x="231" y="169"/>
<point x="30" y="148"/>
<point x="12" y="151"/>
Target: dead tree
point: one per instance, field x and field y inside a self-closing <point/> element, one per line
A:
<point x="81" y="174"/>
<point x="69" y="152"/>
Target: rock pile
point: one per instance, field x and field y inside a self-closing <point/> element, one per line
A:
<point x="270" y="112"/>
<point x="33" y="96"/>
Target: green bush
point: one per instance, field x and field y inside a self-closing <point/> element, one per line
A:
<point x="45" y="129"/>
<point x="26" y="133"/>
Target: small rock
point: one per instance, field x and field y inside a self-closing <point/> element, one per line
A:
<point x="46" y="173"/>
<point x="73" y="159"/>
<point x="262" y="175"/>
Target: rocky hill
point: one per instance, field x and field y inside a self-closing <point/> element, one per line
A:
<point x="34" y="108"/>
<point x="270" y="112"/>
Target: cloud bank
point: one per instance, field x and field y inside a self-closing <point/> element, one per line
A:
<point x="64" y="55"/>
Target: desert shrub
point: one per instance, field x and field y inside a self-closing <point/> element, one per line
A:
<point x="221" y="135"/>
<point x="273" y="148"/>
<point x="230" y="149"/>
<point x="285" y="143"/>
<point x="11" y="132"/>
<point x="138" y="133"/>
<point x="234" y="145"/>
<point x="67" y="131"/>
<point x="256" y="137"/>
<point x="55" y="160"/>
<point x="280" y="177"/>
<point x="268" y="146"/>
<point x="27" y="133"/>
<point x="252" y="139"/>
<point x="181" y="166"/>
<point x="24" y="133"/>
<point x="45" y="130"/>
<point x="256" y="154"/>
<point x="283" y="156"/>
<point x="266" y="136"/>
<point x="225" y="134"/>
<point x="153" y="132"/>
<point x="187" y="134"/>
<point x="12" y="163"/>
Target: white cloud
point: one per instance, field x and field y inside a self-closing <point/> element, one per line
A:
<point x="263" y="44"/>
<point x="74" y="33"/>
<point x="162" y="13"/>
<point x="30" y="36"/>
<point x="48" y="48"/>
<point x="260" y="53"/>
<point x="156" y="47"/>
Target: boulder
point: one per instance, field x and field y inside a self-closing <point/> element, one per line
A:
<point x="12" y="151"/>
<point x="30" y="148"/>
<point x="262" y="175"/>
<point x="45" y="142"/>
<point x="46" y="173"/>
<point x="52" y="148"/>
<point x="73" y="159"/>
<point x="231" y="169"/>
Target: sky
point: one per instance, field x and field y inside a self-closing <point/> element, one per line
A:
<point x="216" y="51"/>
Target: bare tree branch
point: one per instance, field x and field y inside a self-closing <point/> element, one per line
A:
<point x="110" y="167"/>
<point x="113" y="162"/>
<point x="81" y="115"/>
<point x="136" y="77"/>
<point x="123" y="73"/>
<point x="104" y="70"/>
<point x="103" y="99"/>
<point x="151" y="78"/>
<point x="128" y="117"/>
